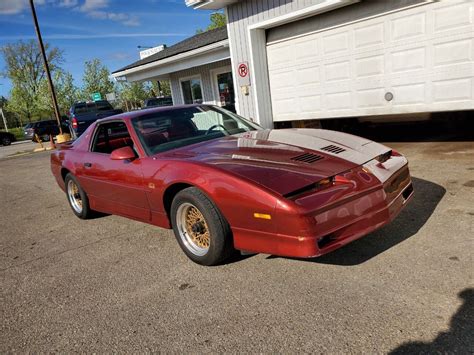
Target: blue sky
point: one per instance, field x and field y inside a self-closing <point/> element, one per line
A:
<point x="109" y="30"/>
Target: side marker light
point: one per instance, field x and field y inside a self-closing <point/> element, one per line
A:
<point x="262" y="215"/>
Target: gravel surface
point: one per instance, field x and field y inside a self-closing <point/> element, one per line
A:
<point x="116" y="285"/>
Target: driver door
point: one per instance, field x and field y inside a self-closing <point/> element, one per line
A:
<point x="114" y="186"/>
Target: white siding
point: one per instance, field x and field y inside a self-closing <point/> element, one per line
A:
<point x="206" y="81"/>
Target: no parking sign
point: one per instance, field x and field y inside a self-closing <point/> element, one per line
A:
<point x="243" y="74"/>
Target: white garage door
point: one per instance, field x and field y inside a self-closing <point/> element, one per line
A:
<point x="423" y="56"/>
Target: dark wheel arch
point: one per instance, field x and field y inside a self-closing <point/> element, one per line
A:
<point x="169" y="194"/>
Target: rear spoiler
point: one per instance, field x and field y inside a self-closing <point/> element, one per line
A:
<point x="65" y="145"/>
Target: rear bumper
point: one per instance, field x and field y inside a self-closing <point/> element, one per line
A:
<point x="322" y="240"/>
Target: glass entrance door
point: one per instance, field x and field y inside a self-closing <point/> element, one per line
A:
<point x="225" y="88"/>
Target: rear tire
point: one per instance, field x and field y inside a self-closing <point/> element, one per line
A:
<point x="6" y="141"/>
<point x="200" y="228"/>
<point x="77" y="198"/>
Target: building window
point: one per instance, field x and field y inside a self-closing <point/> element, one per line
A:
<point x="192" y="92"/>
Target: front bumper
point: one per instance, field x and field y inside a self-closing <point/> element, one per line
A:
<point x="337" y="226"/>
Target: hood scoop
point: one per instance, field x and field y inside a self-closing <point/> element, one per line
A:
<point x="308" y="158"/>
<point x="333" y="149"/>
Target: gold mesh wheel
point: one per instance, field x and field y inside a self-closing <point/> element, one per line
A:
<point x="74" y="196"/>
<point x="193" y="229"/>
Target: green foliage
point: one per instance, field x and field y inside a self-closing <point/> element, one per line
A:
<point x="218" y="19"/>
<point x="66" y="92"/>
<point x="96" y="79"/>
<point x="131" y="96"/>
<point x="25" y="69"/>
<point x="18" y="132"/>
<point x="162" y="88"/>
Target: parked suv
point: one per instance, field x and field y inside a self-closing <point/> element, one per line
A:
<point x="83" y="114"/>
<point x="43" y="129"/>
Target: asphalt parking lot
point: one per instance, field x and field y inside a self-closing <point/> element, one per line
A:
<point x="19" y="148"/>
<point x="112" y="284"/>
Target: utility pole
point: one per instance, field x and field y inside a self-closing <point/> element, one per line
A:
<point x="46" y="67"/>
<point x="2" y="100"/>
<point x="4" y="119"/>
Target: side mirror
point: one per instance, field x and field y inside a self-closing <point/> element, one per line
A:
<point x="124" y="153"/>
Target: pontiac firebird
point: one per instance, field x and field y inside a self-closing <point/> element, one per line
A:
<point x="223" y="183"/>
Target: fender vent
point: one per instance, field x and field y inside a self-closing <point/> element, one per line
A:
<point x="333" y="149"/>
<point x="307" y="158"/>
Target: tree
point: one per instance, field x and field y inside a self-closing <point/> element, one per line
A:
<point x="161" y="89"/>
<point x="96" y="79"/>
<point x="217" y="19"/>
<point x="133" y="94"/>
<point x="25" y="69"/>
<point x="66" y="92"/>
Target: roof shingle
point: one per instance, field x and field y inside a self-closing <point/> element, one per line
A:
<point x="194" y="42"/>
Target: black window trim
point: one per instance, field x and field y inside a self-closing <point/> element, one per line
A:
<point x="96" y="129"/>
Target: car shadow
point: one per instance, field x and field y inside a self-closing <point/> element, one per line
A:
<point x="425" y="199"/>
<point x="459" y="339"/>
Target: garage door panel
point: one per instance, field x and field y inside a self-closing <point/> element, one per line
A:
<point x="336" y="43"/>
<point x="307" y="49"/>
<point x="369" y="66"/>
<point x="409" y="59"/>
<point x="369" y="35"/>
<point x="408" y="27"/>
<point x="309" y="104"/>
<point x="338" y="100"/>
<point x="453" y="52"/>
<point x="423" y="55"/>
<point x="311" y="75"/>
<point x="370" y="97"/>
<point x="452" y="90"/>
<point x="453" y="16"/>
<point x="337" y="71"/>
<point x="413" y="93"/>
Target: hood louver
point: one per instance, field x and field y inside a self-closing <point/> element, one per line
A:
<point x="307" y="158"/>
<point x="333" y="149"/>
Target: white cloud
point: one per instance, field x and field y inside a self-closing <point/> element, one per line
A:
<point x="120" y="56"/>
<point x="97" y="9"/>
<point x="93" y="5"/>
<point x="11" y="7"/>
<point x="67" y="3"/>
<point x="8" y="7"/>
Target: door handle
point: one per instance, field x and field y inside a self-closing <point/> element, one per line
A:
<point x="87" y="165"/>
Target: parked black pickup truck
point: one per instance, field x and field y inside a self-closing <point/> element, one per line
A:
<point x="83" y="114"/>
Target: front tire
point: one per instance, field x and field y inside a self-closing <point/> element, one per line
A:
<point x="200" y="228"/>
<point x="77" y="198"/>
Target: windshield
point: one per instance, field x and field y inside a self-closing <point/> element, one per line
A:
<point x="179" y="127"/>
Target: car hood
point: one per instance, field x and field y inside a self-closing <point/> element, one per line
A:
<point x="284" y="160"/>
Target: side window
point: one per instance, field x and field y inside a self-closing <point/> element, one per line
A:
<point x="111" y="136"/>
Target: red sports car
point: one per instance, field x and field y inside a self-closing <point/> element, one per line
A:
<point x="224" y="184"/>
